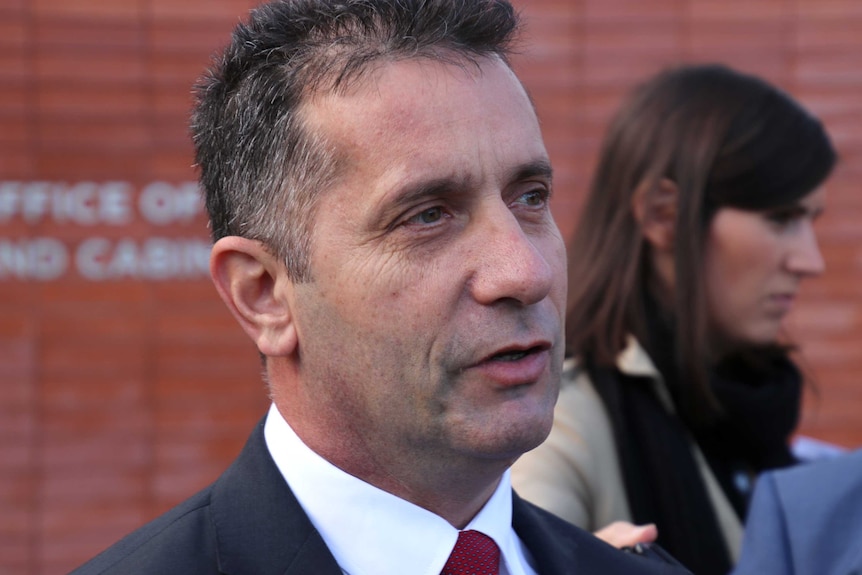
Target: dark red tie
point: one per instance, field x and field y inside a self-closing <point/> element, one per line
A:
<point x="474" y="554"/>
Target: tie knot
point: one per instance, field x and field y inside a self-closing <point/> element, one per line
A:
<point x="474" y="554"/>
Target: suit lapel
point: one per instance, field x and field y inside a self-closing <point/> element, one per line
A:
<point x="553" y="551"/>
<point x="261" y="528"/>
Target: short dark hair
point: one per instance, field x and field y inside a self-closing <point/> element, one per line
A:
<point x="260" y="168"/>
<point x="724" y="138"/>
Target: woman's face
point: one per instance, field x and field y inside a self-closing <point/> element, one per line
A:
<point x="754" y="262"/>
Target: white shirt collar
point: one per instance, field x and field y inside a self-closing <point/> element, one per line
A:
<point x="363" y="526"/>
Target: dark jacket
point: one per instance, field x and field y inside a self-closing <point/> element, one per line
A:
<point x="249" y="522"/>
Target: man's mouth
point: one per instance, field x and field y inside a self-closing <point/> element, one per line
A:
<point x="515" y="354"/>
<point x="517" y="365"/>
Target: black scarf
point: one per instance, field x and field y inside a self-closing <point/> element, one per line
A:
<point x="663" y="483"/>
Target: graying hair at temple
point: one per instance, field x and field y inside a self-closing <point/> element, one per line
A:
<point x="261" y="169"/>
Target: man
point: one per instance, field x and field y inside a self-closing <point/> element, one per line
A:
<point x="806" y="520"/>
<point x="378" y="191"/>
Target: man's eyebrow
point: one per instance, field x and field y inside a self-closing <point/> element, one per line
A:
<point x="538" y="168"/>
<point x="432" y="188"/>
<point x="447" y="186"/>
<point x="440" y="187"/>
<point x="396" y="200"/>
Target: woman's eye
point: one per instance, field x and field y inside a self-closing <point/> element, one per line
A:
<point x="429" y="216"/>
<point x="783" y="217"/>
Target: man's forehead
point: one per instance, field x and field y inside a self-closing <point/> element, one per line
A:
<point x="384" y="82"/>
<point x="422" y="125"/>
<point x="394" y="102"/>
<point x="356" y="79"/>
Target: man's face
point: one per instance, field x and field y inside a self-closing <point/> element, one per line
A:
<point x="432" y="327"/>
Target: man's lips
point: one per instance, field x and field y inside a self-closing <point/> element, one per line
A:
<point x="516" y="365"/>
<point x="516" y="352"/>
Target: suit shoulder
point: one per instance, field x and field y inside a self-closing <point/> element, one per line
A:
<point x="164" y="544"/>
<point x="565" y="548"/>
<point x="842" y="474"/>
<point x="821" y="470"/>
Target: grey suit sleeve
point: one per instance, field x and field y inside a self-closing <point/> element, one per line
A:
<point x="766" y="547"/>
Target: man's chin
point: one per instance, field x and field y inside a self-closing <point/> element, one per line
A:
<point x="514" y="436"/>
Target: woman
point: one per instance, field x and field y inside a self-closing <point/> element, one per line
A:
<point x="689" y="253"/>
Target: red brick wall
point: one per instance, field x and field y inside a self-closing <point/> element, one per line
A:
<point x="124" y="383"/>
<point x="584" y="55"/>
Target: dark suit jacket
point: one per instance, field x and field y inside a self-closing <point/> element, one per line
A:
<point x="806" y="520"/>
<point x="249" y="522"/>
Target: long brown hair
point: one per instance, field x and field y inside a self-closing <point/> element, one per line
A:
<point x="724" y="139"/>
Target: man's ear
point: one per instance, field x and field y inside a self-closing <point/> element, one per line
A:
<point x="254" y="285"/>
<point x="655" y="208"/>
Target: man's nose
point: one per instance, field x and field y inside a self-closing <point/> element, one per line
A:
<point x="805" y="257"/>
<point x="508" y="264"/>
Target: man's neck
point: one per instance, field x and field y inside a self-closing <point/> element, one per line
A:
<point x="454" y="489"/>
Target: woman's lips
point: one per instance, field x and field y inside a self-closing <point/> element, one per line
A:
<point x="781" y="303"/>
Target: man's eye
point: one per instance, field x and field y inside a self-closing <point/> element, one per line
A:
<point x="534" y="198"/>
<point x="429" y="216"/>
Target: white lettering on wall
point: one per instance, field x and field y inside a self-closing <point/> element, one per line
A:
<point x="100" y="259"/>
<point x="41" y="259"/>
<point x="83" y="203"/>
<point x="43" y="204"/>
<point x="161" y="203"/>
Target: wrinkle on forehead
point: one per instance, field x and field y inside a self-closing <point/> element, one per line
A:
<point x="418" y="124"/>
<point x="393" y="115"/>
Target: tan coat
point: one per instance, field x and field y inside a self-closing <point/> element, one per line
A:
<point x="576" y="472"/>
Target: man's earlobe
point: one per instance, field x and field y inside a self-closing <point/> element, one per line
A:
<point x="254" y="284"/>
<point x="655" y="208"/>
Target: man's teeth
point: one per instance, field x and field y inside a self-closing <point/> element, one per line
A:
<point x="510" y="356"/>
